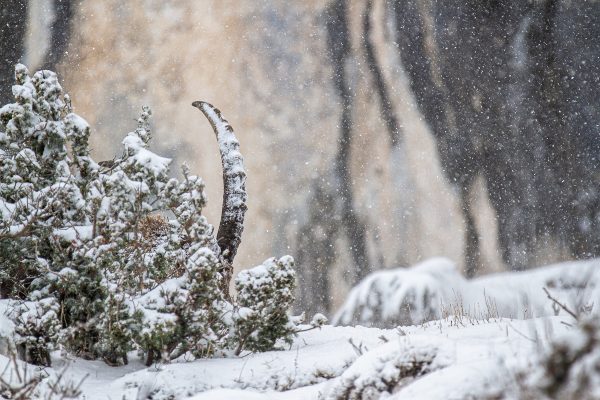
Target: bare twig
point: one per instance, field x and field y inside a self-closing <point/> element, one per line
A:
<point x="360" y="349"/>
<point x="521" y="333"/>
<point x="561" y="305"/>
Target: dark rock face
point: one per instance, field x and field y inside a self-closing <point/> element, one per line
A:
<point x="510" y="90"/>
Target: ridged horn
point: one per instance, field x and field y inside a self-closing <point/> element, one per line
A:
<point x="234" y="206"/>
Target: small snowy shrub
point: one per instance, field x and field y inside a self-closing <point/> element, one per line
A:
<point x="381" y="371"/>
<point x="105" y="258"/>
<point x="569" y="368"/>
<point x="37" y="326"/>
<point x="265" y="293"/>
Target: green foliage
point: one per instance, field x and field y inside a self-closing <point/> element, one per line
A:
<point x="106" y="259"/>
<point x="265" y="293"/>
<point x="37" y="325"/>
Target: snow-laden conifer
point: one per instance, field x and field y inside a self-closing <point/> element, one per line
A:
<point x="265" y="293"/>
<point x="105" y="258"/>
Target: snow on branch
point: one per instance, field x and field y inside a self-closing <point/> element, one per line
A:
<point x="234" y="206"/>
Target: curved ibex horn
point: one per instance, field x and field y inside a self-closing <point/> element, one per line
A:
<point x="234" y="206"/>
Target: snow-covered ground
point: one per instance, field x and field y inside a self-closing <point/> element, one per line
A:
<point x="445" y="359"/>
<point x="462" y="355"/>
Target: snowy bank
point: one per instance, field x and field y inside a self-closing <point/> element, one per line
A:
<point x="434" y="289"/>
<point x="436" y="360"/>
<point x="461" y="355"/>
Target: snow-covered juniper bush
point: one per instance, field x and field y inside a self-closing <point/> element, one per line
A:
<point x="106" y="258"/>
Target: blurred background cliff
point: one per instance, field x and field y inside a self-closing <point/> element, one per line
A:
<point x="376" y="133"/>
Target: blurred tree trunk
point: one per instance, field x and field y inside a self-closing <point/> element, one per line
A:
<point x="352" y="224"/>
<point x="315" y="251"/>
<point x="13" y="27"/>
<point x="443" y="98"/>
<point x="60" y="33"/>
<point x="13" y="18"/>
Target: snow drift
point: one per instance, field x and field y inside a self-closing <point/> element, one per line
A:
<point x="434" y="289"/>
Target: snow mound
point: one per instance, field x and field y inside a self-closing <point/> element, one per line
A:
<point x="434" y="289"/>
<point x="400" y="296"/>
<point x="385" y="368"/>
